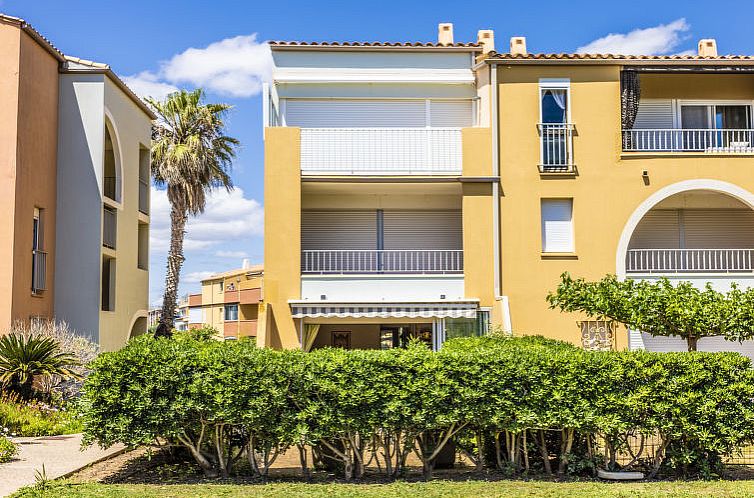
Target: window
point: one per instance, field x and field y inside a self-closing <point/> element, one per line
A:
<point x="144" y="180"/>
<point x="38" y="256"/>
<point x="109" y="227"/>
<point x="554" y="125"/>
<point x="108" y="284"/>
<point x="231" y="312"/>
<point x="143" y="256"/>
<point x="467" y="327"/>
<point x="557" y="226"/>
<point x="714" y="125"/>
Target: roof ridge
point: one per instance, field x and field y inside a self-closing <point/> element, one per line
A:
<point x="295" y="43"/>
<point x="608" y="56"/>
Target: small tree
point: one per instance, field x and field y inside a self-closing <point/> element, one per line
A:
<point x="661" y="308"/>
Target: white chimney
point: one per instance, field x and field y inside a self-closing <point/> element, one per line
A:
<point x="245" y="264"/>
<point x="445" y="33"/>
<point x="708" y="47"/>
<point x="518" y="45"/>
<point x="486" y="38"/>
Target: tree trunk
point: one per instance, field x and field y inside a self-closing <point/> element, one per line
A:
<point x="178" y="219"/>
<point x="691" y="341"/>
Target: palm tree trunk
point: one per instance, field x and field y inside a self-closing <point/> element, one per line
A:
<point x="178" y="218"/>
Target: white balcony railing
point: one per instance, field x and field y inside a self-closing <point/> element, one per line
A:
<point x="381" y="151"/>
<point x="556" y="147"/>
<point x="689" y="140"/>
<point x="382" y="261"/>
<point x="690" y="260"/>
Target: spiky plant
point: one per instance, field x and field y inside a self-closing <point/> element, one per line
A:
<point x="22" y="358"/>
<point x="191" y="156"/>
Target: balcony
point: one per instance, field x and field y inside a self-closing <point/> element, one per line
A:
<point x="556" y="147"/>
<point x="381" y="151"/>
<point x="329" y="262"/>
<point x="38" y="271"/>
<point x="708" y="141"/>
<point x="109" y="227"/>
<point x="671" y="261"/>
<point x="143" y="196"/>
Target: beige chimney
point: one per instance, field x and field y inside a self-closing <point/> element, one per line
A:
<point x="518" y="45"/>
<point x="445" y="33"/>
<point x="708" y="47"/>
<point x="486" y="38"/>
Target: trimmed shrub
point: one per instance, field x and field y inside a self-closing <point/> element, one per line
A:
<point x="515" y="404"/>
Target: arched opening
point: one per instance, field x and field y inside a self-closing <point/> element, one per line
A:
<point x="111" y="180"/>
<point x="139" y="327"/>
<point x="698" y="231"/>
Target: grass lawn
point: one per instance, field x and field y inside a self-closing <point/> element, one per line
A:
<point x="475" y="489"/>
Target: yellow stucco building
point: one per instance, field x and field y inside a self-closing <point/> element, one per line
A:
<point x="435" y="190"/>
<point x="231" y="302"/>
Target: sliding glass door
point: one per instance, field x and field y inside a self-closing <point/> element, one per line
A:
<point x="713" y="126"/>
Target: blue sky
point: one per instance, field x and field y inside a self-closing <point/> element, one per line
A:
<point x="158" y="45"/>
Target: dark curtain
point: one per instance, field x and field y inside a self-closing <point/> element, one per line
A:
<point x="630" y="93"/>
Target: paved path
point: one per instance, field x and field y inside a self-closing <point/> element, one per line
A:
<point x="60" y="455"/>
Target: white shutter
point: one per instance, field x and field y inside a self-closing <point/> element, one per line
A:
<point x="670" y="344"/>
<point x="355" y="113"/>
<point x="451" y="113"/>
<point x="719" y="228"/>
<point x="557" y="225"/>
<point x="423" y="230"/>
<point x="195" y="315"/>
<point x="654" y="114"/>
<point x="333" y="230"/>
<point x="658" y="229"/>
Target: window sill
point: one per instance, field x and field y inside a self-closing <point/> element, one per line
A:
<point x="558" y="255"/>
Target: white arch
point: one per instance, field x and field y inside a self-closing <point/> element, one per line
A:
<point x="136" y="316"/>
<point x="730" y="189"/>
<point x="117" y="151"/>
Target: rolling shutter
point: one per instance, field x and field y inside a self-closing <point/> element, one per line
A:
<point x="654" y="114"/>
<point x="451" y="113"/>
<point x="423" y="230"/>
<point x="557" y="225"/>
<point x="321" y="230"/>
<point x="355" y="113"/>
<point x="658" y="229"/>
<point x="719" y="228"/>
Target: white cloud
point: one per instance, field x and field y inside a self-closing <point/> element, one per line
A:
<point x="228" y="218"/>
<point x="232" y="254"/>
<point x="147" y="84"/>
<point x="195" y="277"/>
<point x="661" y="39"/>
<point x="234" y="67"/>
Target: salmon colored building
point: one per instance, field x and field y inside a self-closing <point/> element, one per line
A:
<point x="74" y="191"/>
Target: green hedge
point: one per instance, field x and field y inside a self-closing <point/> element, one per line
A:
<point x="515" y="404"/>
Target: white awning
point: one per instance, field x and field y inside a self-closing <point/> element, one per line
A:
<point x="467" y="309"/>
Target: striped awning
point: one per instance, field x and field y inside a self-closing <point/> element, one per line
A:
<point x="386" y="310"/>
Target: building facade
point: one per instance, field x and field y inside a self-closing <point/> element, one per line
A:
<point x="430" y="190"/>
<point x="231" y="302"/>
<point x="75" y="146"/>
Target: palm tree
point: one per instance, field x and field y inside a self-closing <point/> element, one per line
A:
<point x="22" y="358"/>
<point x="190" y="157"/>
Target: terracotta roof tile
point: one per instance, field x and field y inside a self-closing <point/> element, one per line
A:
<point x="617" y="57"/>
<point x="355" y="44"/>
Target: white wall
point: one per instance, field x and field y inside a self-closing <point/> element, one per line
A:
<point x="79" y="204"/>
<point x="361" y="288"/>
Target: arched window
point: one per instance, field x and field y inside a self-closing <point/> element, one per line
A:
<point x="111" y="178"/>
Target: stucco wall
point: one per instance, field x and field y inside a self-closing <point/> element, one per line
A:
<point x="36" y="175"/>
<point x="606" y="191"/>
<point x="81" y="138"/>
<point x="10" y="49"/>
<point x="282" y="240"/>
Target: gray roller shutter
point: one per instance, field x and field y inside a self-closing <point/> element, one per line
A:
<point x="654" y="114"/>
<point x="719" y="228"/>
<point x="451" y="113"/>
<point x="321" y="230"/>
<point x="355" y="113"/>
<point x="657" y="230"/>
<point x="423" y="230"/>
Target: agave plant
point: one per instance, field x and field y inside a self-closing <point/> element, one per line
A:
<point x="22" y="358"/>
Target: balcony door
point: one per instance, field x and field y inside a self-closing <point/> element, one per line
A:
<point x="715" y="125"/>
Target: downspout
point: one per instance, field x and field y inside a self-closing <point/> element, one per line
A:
<point x="495" y="183"/>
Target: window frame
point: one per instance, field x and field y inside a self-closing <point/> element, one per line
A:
<point x="543" y="239"/>
<point x="228" y="307"/>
